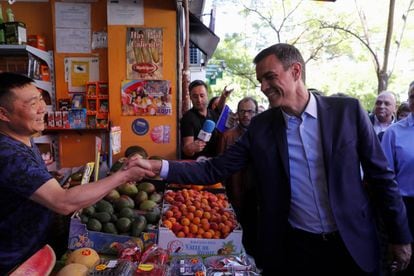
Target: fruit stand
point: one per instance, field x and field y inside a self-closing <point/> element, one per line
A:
<point x="152" y="228"/>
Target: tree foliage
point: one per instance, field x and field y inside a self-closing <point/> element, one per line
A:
<point x="346" y="49"/>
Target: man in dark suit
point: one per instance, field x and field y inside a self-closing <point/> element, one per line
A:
<point x="316" y="217"/>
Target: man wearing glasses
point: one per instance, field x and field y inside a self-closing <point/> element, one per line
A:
<point x="239" y="185"/>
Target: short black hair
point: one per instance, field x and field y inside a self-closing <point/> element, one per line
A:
<point x="196" y="83"/>
<point x="286" y="53"/>
<point x="136" y="149"/>
<point x="8" y="82"/>
<point x="248" y="99"/>
<point x="211" y="102"/>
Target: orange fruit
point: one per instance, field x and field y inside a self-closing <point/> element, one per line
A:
<point x="207" y="235"/>
<point x="193" y="228"/>
<point x="168" y="224"/>
<point x="196" y="220"/>
<point x="185" y="221"/>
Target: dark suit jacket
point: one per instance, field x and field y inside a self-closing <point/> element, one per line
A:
<point x="348" y="141"/>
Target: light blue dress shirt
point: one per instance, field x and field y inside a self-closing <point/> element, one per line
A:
<point x="398" y="145"/>
<point x="309" y="208"/>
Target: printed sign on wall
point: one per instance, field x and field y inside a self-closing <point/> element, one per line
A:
<point x="146" y="98"/>
<point x="144" y="53"/>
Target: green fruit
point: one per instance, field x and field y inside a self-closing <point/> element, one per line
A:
<point x="88" y="211"/>
<point x="129" y="189"/>
<point x="123" y="225"/>
<point x="102" y="216"/>
<point x="84" y="218"/>
<point x="112" y="195"/>
<point x="138" y="225"/>
<point x="153" y="215"/>
<point x="110" y="228"/>
<point x="156" y="197"/>
<point x="118" y="164"/>
<point x="126" y="213"/>
<point x="140" y="197"/>
<point x="94" y="225"/>
<point x="114" y="218"/>
<point x="124" y="202"/>
<point x="104" y="206"/>
<point x="147" y="205"/>
<point x="148" y="187"/>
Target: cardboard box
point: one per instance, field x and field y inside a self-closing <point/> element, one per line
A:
<point x="232" y="244"/>
<point x="37" y="41"/>
<point x="80" y="236"/>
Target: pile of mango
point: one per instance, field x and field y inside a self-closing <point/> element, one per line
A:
<point x="128" y="210"/>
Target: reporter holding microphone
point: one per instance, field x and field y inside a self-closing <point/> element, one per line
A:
<point x="198" y="121"/>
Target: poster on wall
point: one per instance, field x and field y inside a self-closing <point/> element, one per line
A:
<point x="146" y="97"/>
<point x="144" y="53"/>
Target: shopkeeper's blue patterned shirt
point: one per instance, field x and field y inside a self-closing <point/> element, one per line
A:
<point x="23" y="223"/>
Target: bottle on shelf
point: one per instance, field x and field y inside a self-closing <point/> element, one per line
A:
<point x="10" y="15"/>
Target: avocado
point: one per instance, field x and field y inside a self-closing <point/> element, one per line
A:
<point x="117" y="165"/>
<point x="114" y="217"/>
<point x="88" y="211"/>
<point x="94" y="225"/>
<point x="110" y="228"/>
<point x="129" y="189"/>
<point x="156" y="197"/>
<point x="138" y="225"/>
<point x="84" y="218"/>
<point x="104" y="206"/>
<point x="140" y="197"/>
<point x="126" y="213"/>
<point x="123" y="225"/>
<point x="122" y="202"/>
<point x="102" y="216"/>
<point x="153" y="215"/>
<point x="148" y="187"/>
<point x="147" y="205"/>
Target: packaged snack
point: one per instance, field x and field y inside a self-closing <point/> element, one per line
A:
<point x="232" y="265"/>
<point x="187" y="266"/>
<point x="114" y="268"/>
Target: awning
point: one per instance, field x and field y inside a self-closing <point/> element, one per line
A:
<point x="202" y="37"/>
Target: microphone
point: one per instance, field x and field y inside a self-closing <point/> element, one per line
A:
<point x="205" y="132"/>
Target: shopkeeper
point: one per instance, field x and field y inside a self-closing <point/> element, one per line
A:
<point x="28" y="193"/>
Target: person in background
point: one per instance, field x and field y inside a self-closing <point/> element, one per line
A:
<point x="192" y="122"/>
<point x="315" y="215"/>
<point x="403" y="110"/>
<point x="213" y="103"/>
<point x="397" y="143"/>
<point x="383" y="114"/>
<point x="28" y="193"/>
<point x="239" y="186"/>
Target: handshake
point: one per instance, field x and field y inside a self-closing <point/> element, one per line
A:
<point x="144" y="167"/>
